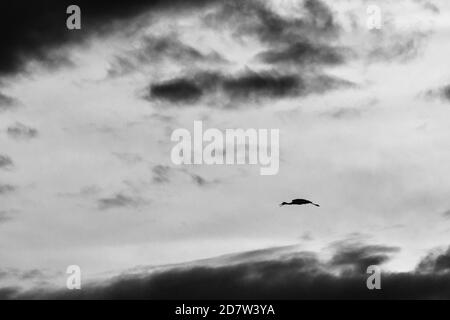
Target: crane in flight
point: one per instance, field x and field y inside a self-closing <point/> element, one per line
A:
<point x="299" y="202"/>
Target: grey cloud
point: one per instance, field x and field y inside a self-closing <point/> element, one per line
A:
<point x="120" y="200"/>
<point x="442" y="93"/>
<point x="7" y="102"/>
<point x="273" y="273"/>
<point x="358" y="257"/>
<point x="6" y="188"/>
<point x="346" y="113"/>
<point x="161" y="174"/>
<point x="430" y="6"/>
<point x="21" y="131"/>
<point x="304" y="53"/>
<point x="176" y="90"/>
<point x="157" y="50"/>
<point x="127" y="157"/>
<point x="256" y="18"/>
<point x="44" y="33"/>
<point x="5" y="162"/>
<point x="200" y="181"/>
<point x="245" y="86"/>
<point x="435" y="262"/>
<point x="4" y="217"/>
<point x="164" y="174"/>
<point x="254" y="85"/>
<point x="396" y="47"/>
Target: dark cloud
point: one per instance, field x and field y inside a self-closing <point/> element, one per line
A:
<point x="8" y="292"/>
<point x="274" y="273"/>
<point x="245" y="86"/>
<point x="435" y="262"/>
<point x="358" y="257"/>
<point x="32" y="30"/>
<point x="256" y="18"/>
<point x="5" y="162"/>
<point x="303" y="53"/>
<point x="177" y="90"/>
<point x="21" y="131"/>
<point x="120" y="200"/>
<point x="445" y="92"/>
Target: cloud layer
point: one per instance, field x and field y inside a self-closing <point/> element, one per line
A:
<point x="273" y="273"/>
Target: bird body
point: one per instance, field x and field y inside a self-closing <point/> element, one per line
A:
<point x="299" y="202"/>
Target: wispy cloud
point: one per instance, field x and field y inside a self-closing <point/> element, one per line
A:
<point x="120" y="200"/>
<point x="5" y="162"/>
<point x="21" y="131"/>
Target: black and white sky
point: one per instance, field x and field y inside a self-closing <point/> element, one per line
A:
<point x="86" y="176"/>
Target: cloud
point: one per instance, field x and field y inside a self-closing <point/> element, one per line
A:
<point x="345" y="113"/>
<point x="6" y="188"/>
<point x="442" y="93"/>
<point x="273" y="273"/>
<point x="256" y="18"/>
<point x="177" y="90"/>
<point x="256" y="85"/>
<point x="200" y="181"/>
<point x="5" y="162"/>
<point x="245" y="86"/>
<point x="36" y="30"/>
<point x="4" y="217"/>
<point x="435" y="262"/>
<point x="161" y="174"/>
<point x="7" y="102"/>
<point x="157" y="49"/>
<point x="7" y="215"/>
<point x="396" y="47"/>
<point x="358" y="257"/>
<point x="120" y="200"/>
<point x="303" y="53"/>
<point x="164" y="174"/>
<point x="446" y="214"/>
<point x="128" y="158"/>
<point x="21" y="131"/>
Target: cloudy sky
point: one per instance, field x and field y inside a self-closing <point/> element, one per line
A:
<point x="86" y="117"/>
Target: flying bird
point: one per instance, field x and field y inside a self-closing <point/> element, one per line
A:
<point x="299" y="202"/>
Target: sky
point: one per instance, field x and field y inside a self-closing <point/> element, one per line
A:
<point x="86" y="117"/>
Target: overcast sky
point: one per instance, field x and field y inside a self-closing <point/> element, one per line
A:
<point x="86" y="117"/>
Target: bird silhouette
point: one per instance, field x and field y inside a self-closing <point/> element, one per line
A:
<point x="299" y="202"/>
